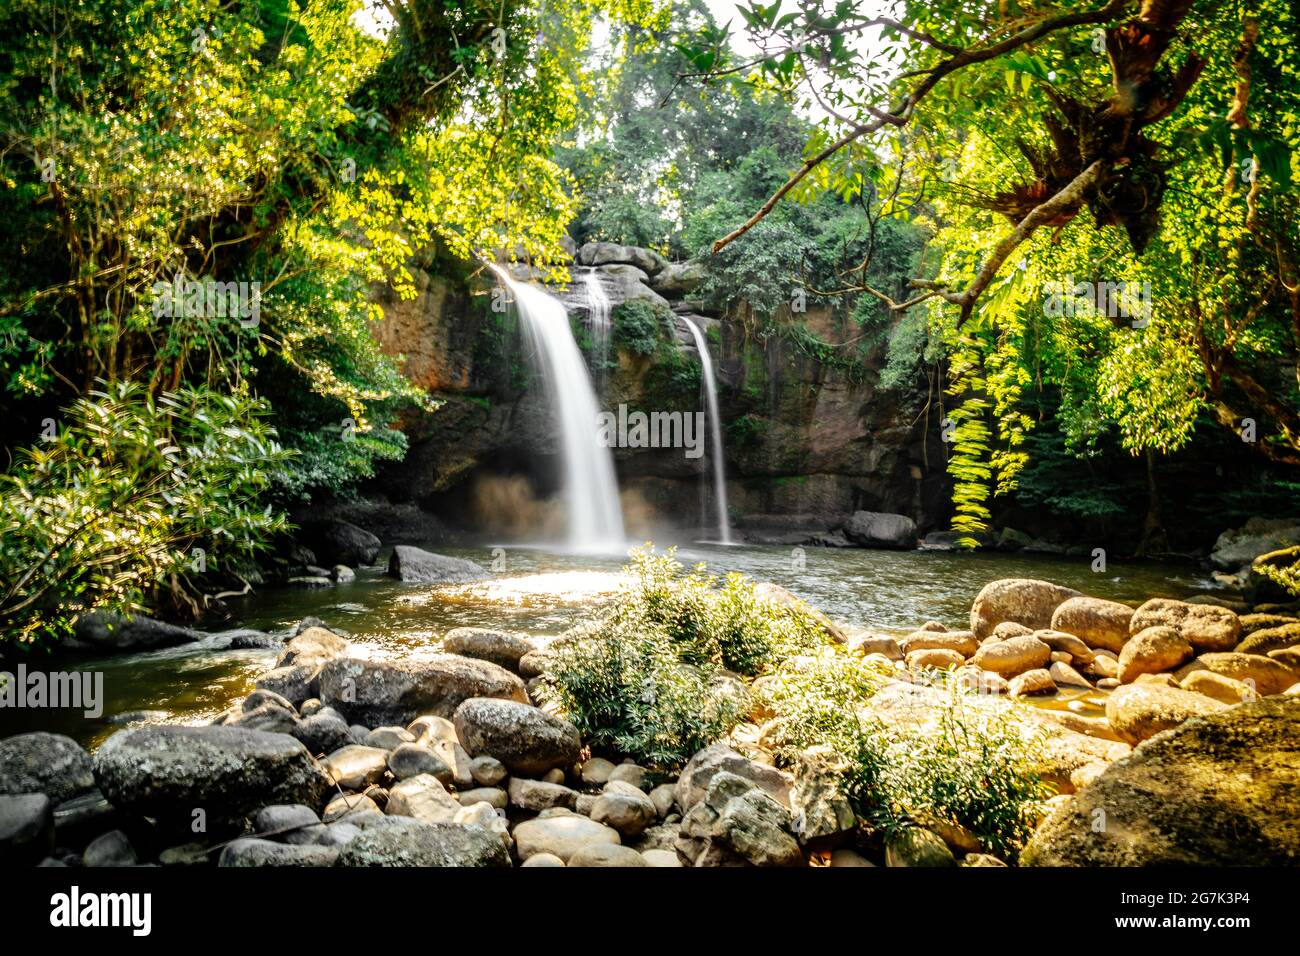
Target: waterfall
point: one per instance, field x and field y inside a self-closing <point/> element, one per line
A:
<point x="715" y="428"/>
<point x="598" y="316"/>
<point x="594" y="517"/>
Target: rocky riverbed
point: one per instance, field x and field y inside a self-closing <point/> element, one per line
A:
<point x="446" y="760"/>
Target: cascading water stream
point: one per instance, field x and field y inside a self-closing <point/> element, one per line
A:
<point x="598" y="316"/>
<point x="715" y="431"/>
<point x="595" y="519"/>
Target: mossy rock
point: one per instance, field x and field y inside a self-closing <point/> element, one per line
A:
<point x="1271" y="639"/>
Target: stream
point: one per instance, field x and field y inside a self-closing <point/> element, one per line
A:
<point x="541" y="591"/>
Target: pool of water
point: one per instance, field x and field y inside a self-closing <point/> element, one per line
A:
<point x="543" y="591"/>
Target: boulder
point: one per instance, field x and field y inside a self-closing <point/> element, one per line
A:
<point x="168" y="772"/>
<point x="1268" y="639"/>
<point x="104" y="632"/>
<point x="322" y="733"/>
<point x="1023" y="600"/>
<point x="26" y="828"/>
<point x="596" y="771"/>
<point x="1221" y="688"/>
<point x="537" y="795"/>
<point x="1013" y="656"/>
<point x="396" y="692"/>
<point x="607" y="854"/>
<point x="629" y="812"/>
<point x="426" y="844"/>
<point x="1032" y="683"/>
<point x="355" y="766"/>
<point x="312" y="646"/>
<point x="822" y="816"/>
<point x="1152" y="651"/>
<point x="335" y="541"/>
<point x="1240" y="546"/>
<point x="110" y="849"/>
<point x="40" y="762"/>
<point x="1204" y="626"/>
<point x="677" y="279"/>
<point x="1080" y="653"/>
<point x="611" y="253"/>
<point x="963" y="642"/>
<point x="560" y="835"/>
<point x="693" y="783"/>
<point x="917" y="846"/>
<point x="412" y="759"/>
<point x="738" y="822"/>
<point x="1222" y="789"/>
<point x="526" y="739"/>
<point x="1064" y="675"/>
<point x="250" y="852"/>
<point x="874" y="529"/>
<point x="934" y="658"/>
<point x="424" y="798"/>
<point x="1098" y="623"/>
<point x="1266" y="675"/>
<point x="418" y="566"/>
<point x="1139" y="711"/>
<point x="500" y="647"/>
<point x="290" y="822"/>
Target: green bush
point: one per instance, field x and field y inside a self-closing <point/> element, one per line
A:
<point x="648" y="681"/>
<point x="638" y="327"/>
<point x="114" y="506"/>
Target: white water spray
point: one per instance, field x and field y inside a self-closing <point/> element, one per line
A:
<point x="595" y="521"/>
<point x="715" y="430"/>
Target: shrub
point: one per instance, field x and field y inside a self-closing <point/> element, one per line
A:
<point x="626" y="690"/>
<point x="638" y="327"/>
<point x="647" y="681"/>
<point x="115" y="505"/>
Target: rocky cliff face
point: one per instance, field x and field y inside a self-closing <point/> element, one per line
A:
<point x="807" y="441"/>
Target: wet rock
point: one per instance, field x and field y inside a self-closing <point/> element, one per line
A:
<point x="339" y="542"/>
<point x="250" y="852"/>
<point x="26" y="828"/>
<point x="1013" y="656"/>
<point x="1266" y="675"/>
<point x="1023" y="600"/>
<point x="168" y="772"/>
<point x="500" y="647"/>
<point x="1220" y="790"/>
<point x="560" y="835"/>
<point x="112" y="849"/>
<point x="1139" y="711"/>
<point x="396" y="692"/>
<point x="1152" y="651"/>
<point x="1097" y="622"/>
<point x="1204" y="626"/>
<point x="418" y="566"/>
<point x="424" y="798"/>
<point x="737" y="822"/>
<point x="39" y="762"/>
<point x="526" y="739"/>
<point x="104" y="632"/>
<point x="873" y="529"/>
<point x="916" y="846"/>
<point x="693" y="784"/>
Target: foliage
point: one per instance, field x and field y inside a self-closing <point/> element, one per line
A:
<point x="638" y="327"/>
<point x="648" y="682"/>
<point x="972" y="766"/>
<point x="131" y="494"/>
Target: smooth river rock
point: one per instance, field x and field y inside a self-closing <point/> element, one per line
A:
<point x="228" y="772"/>
<point x="1098" y="623"/>
<point x="424" y="567"/>
<point x="1204" y="626"/>
<point x="40" y="762"/>
<point x="1142" y="710"/>
<point x="1025" y="601"/>
<point x="375" y="693"/>
<point x="526" y="739"/>
<point x="426" y="844"/>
